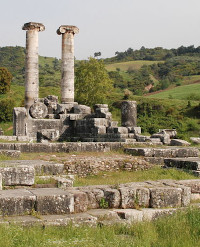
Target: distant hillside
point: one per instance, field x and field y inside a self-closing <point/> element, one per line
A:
<point x="13" y="58"/>
<point x="130" y="65"/>
<point x="154" y="54"/>
<point x="185" y="92"/>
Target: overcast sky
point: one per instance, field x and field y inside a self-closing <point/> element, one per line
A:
<point x="105" y="25"/>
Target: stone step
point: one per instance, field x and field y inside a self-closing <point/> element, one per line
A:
<point x="10" y="153"/>
<point x="183" y="163"/>
<point x="91" y="218"/>
<point x="169" y="152"/>
<point x="149" y="194"/>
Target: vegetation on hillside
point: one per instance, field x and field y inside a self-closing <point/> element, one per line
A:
<point x="5" y="80"/>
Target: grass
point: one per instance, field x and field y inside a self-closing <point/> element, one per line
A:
<point x="120" y="177"/>
<point x="182" y="93"/>
<point x="133" y="65"/>
<point x="179" y="230"/>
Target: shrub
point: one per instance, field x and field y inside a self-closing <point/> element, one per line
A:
<point x="5" y="80"/>
<point x="6" y="111"/>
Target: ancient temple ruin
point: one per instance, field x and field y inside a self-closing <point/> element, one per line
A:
<point x="47" y="119"/>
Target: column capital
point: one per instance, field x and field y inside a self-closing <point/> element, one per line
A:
<point x="67" y="29"/>
<point x="33" y="25"/>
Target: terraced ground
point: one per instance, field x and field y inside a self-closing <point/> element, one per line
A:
<point x="133" y="65"/>
<point x="185" y="92"/>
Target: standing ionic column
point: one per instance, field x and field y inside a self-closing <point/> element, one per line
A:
<point x="67" y="81"/>
<point x="31" y="70"/>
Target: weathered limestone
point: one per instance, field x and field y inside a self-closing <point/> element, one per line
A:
<point x="32" y="75"/>
<point x="53" y="201"/>
<point x="1" y="132"/>
<point x="16" y="202"/>
<point x="179" y="142"/>
<point x="192" y="163"/>
<point x="18" y="175"/>
<point x="164" y="152"/>
<point x="11" y="153"/>
<point x="67" y="82"/>
<point x="195" y="140"/>
<point x="38" y="110"/>
<point x="165" y="197"/>
<point x="129" y="113"/>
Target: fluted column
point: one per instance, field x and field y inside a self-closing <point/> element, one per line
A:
<point x="67" y="80"/>
<point x="31" y="69"/>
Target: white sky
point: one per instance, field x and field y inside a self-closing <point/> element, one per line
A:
<point x="105" y="25"/>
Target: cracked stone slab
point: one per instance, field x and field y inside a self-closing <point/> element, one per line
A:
<point x="16" y="202"/>
<point x="53" y="201"/>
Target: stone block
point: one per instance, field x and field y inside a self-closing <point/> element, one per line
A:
<point x="141" y="138"/>
<point x="76" y="220"/>
<point x="74" y="117"/>
<point x="65" y="108"/>
<point x="194" y="184"/>
<point x="121" y="130"/>
<point x="53" y="201"/>
<point x="112" y="196"/>
<point x="131" y="215"/>
<point x="80" y="201"/>
<point x="113" y="123"/>
<point x="133" y="197"/>
<point x="94" y="197"/>
<point x="153" y="214"/>
<point x="1" y="132"/>
<point x="19" y="121"/>
<point x="164" y="137"/>
<point x="179" y="142"/>
<point x="23" y="138"/>
<point x="8" y="138"/>
<point x="162" y="197"/>
<point x="18" y="175"/>
<point x="183" y="163"/>
<point x="11" y="153"/>
<point x="195" y="140"/>
<point x="82" y="109"/>
<point x="171" y="132"/>
<point x="16" y="202"/>
<point x="51" y="102"/>
<point x="63" y="183"/>
<point x="48" y="134"/>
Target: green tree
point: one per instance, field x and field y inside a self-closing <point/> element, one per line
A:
<point x="92" y="83"/>
<point x="5" y="80"/>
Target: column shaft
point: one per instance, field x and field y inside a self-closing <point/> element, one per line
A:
<point x="67" y="81"/>
<point x="31" y="72"/>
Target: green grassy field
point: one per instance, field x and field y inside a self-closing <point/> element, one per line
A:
<point x="133" y="65"/>
<point x="185" y="92"/>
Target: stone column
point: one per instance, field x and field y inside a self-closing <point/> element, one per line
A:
<point x="129" y="113"/>
<point x="67" y="80"/>
<point x="31" y="70"/>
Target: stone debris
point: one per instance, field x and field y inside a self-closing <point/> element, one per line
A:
<point x="179" y="142"/>
<point x="195" y="140"/>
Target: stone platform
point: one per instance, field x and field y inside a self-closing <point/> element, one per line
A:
<point x="50" y="201"/>
<point x="158" y="155"/>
